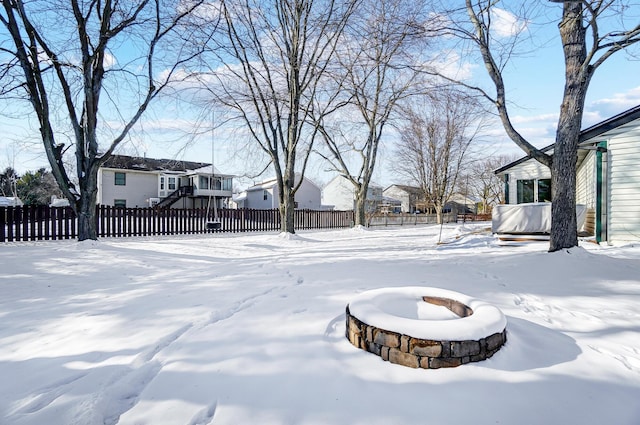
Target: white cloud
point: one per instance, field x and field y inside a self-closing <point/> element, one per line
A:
<point x="619" y="101"/>
<point x="505" y="23"/>
<point x="452" y="65"/>
<point x="109" y="60"/>
<point x="522" y="119"/>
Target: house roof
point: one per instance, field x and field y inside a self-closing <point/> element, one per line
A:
<point x="372" y="184"/>
<point x="268" y="184"/>
<point x="607" y="128"/>
<point x="124" y="162"/>
<point x="239" y="197"/>
<point x="614" y="125"/>
<point x="206" y="170"/>
<point x="409" y="189"/>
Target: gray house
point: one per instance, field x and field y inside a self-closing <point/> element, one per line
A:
<point x="607" y="180"/>
<point x="266" y="196"/>
<point x="126" y="181"/>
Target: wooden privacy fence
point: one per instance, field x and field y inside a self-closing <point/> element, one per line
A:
<point x="53" y="223"/>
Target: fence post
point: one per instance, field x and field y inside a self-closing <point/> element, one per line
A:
<point x="3" y="223"/>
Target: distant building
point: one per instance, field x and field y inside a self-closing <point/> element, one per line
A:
<point x="125" y="181"/>
<point x="409" y="196"/>
<point x="266" y="195"/>
<point x="340" y="193"/>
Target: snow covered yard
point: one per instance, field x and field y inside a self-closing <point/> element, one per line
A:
<point x="249" y="329"/>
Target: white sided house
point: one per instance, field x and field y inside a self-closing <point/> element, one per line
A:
<point x="125" y="181"/>
<point x="340" y="193"/>
<point x="265" y="196"/>
<point x="607" y="180"/>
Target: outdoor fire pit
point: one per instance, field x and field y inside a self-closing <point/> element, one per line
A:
<point x="425" y="327"/>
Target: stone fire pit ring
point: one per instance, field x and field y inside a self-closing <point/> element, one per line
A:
<point x="425" y="327"/>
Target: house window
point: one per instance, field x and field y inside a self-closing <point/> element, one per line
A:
<point x="265" y="195"/>
<point x="525" y="191"/>
<point x="544" y="190"/>
<point x="120" y="203"/>
<point x="227" y="184"/>
<point x="203" y="182"/>
<point x="172" y="183"/>
<point x="161" y="183"/>
<point x="534" y="190"/>
<point x="506" y="188"/>
<point x="120" y="179"/>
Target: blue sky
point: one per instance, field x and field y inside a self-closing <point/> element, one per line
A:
<point x="534" y="82"/>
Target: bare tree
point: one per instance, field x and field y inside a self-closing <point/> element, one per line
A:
<point x="591" y="32"/>
<point x="435" y="141"/>
<point x="379" y="68"/>
<point x="484" y="184"/>
<point x="274" y="57"/>
<point x="67" y="54"/>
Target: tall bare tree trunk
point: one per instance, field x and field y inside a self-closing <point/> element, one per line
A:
<point x="564" y="231"/>
<point x="85" y="209"/>
<point x="287" y="206"/>
<point x="360" y="212"/>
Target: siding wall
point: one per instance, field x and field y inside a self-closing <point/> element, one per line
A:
<point x="308" y="196"/>
<point x="401" y="195"/>
<point x="339" y="193"/>
<point x="255" y="199"/>
<point x="623" y="177"/>
<point x="139" y="187"/>
<point x="586" y="182"/>
<point x="527" y="170"/>
<point x="586" y="190"/>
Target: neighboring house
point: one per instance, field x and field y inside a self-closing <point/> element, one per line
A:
<point x="125" y="181"/>
<point x="340" y="193"/>
<point x="265" y="196"/>
<point x="413" y="200"/>
<point x="461" y="204"/>
<point x="409" y="196"/>
<point x="607" y="180"/>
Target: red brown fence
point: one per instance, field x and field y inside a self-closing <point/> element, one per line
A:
<point x="53" y="223"/>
